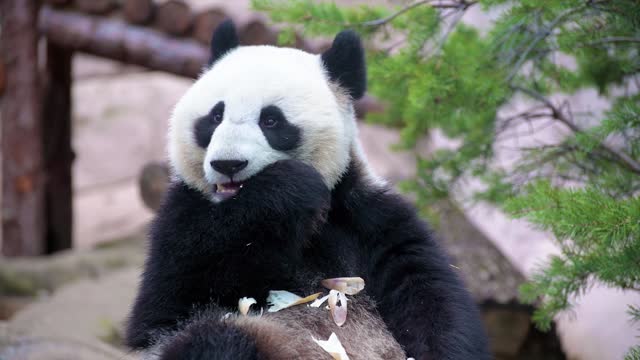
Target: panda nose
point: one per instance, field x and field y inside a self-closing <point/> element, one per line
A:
<point x="229" y="167"/>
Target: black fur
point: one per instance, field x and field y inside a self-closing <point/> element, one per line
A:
<point x="203" y="252"/>
<point x="345" y="63"/>
<point x="283" y="136"/>
<point x="224" y="39"/>
<point x="277" y="234"/>
<point x="206" y="125"/>
<point x="208" y="340"/>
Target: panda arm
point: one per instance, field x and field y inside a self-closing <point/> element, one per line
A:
<point x="418" y="294"/>
<point x="202" y="252"/>
<point x="174" y="278"/>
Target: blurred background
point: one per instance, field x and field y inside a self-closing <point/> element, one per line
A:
<point x="514" y="127"/>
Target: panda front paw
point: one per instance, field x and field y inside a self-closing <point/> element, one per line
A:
<point x="288" y="187"/>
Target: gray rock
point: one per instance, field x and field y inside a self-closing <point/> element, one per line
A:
<point x="80" y="321"/>
<point x="37" y="275"/>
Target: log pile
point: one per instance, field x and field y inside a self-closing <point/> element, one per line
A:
<point x="116" y="40"/>
<point x="164" y="35"/>
<point x="138" y="12"/>
<point x="173" y="18"/>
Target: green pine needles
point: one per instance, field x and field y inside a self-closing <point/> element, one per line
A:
<point x="435" y="72"/>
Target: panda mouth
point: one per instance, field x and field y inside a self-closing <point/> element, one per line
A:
<point x="225" y="191"/>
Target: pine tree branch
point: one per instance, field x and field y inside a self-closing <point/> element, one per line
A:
<point x="603" y="41"/>
<point x="613" y="39"/>
<point x="433" y="3"/>
<point x="450" y="28"/>
<point x="543" y="34"/>
<point x="619" y="156"/>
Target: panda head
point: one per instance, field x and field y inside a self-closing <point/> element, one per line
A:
<point x="255" y="105"/>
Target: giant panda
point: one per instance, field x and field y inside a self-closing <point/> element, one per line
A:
<point x="271" y="191"/>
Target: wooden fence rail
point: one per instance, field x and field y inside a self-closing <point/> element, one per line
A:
<point x="117" y="40"/>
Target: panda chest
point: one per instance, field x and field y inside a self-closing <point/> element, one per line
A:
<point x="334" y="252"/>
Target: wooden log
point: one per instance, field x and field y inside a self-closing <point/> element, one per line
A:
<point x="119" y="41"/>
<point x="57" y="2"/>
<point x="174" y="17"/>
<point x="138" y="11"/>
<point x="116" y="40"/>
<point x="205" y="23"/>
<point x="96" y="6"/>
<point x="302" y="44"/>
<point x="153" y="184"/>
<point x="256" y="32"/>
<point x="22" y="163"/>
<point x="56" y="123"/>
<point x="368" y="104"/>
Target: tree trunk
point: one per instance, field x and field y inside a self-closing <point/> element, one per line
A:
<point x="56" y="123"/>
<point x="22" y="164"/>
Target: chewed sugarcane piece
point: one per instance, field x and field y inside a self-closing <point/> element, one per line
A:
<point x="334" y="347"/>
<point x="244" y="304"/>
<point x="308" y="299"/>
<point x="346" y="285"/>
<point x="338" y="311"/>
<point x="318" y="302"/>
<point x="280" y="299"/>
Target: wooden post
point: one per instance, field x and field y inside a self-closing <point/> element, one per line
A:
<point x="3" y="80"/>
<point x="56" y="124"/>
<point x="22" y="163"/>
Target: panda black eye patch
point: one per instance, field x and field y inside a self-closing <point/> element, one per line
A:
<point x="280" y="133"/>
<point x="206" y="125"/>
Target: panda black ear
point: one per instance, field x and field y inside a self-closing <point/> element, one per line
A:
<point x="224" y="39"/>
<point x="345" y="63"/>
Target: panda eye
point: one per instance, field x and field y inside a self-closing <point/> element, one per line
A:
<point x="268" y="121"/>
<point x="217" y="113"/>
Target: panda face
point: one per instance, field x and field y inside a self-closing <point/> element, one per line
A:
<point x="257" y="105"/>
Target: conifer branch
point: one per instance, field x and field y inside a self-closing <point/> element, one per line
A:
<point x="433" y="3"/>
<point x="543" y="34"/>
<point x="603" y="41"/>
<point x="619" y="156"/>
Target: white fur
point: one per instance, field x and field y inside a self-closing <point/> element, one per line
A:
<point x="247" y="79"/>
